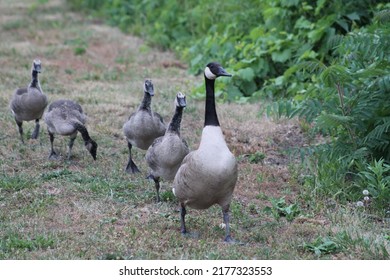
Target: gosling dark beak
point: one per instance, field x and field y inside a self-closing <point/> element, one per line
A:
<point x="182" y="102"/>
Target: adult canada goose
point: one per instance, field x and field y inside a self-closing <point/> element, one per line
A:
<point x="29" y="103"/>
<point x="208" y="175"/>
<point x="166" y="153"/>
<point x="66" y="117"/>
<point x="143" y="126"/>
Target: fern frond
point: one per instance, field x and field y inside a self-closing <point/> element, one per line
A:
<point x="380" y="131"/>
<point x="384" y="83"/>
<point x="311" y="66"/>
<point x="335" y="74"/>
<point x="332" y="121"/>
<point x="308" y="110"/>
<point x="383" y="16"/>
<point x="369" y="72"/>
<point x="334" y="41"/>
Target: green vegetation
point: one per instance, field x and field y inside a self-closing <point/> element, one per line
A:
<point x="322" y="246"/>
<point x="256" y="157"/>
<point x="347" y="101"/>
<point x="282" y="208"/>
<point x="258" y="39"/>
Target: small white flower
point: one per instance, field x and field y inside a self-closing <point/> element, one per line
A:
<point x="359" y="204"/>
<point x="366" y="198"/>
<point x="365" y="192"/>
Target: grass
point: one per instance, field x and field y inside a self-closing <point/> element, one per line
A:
<point x="85" y="209"/>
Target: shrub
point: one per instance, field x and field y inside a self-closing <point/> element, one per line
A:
<point x="347" y="100"/>
<point x="258" y="40"/>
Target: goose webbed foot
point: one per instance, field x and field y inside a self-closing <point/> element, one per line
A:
<point x="131" y="168"/>
<point x="54" y="156"/>
<point x="193" y="235"/>
<point x="229" y="240"/>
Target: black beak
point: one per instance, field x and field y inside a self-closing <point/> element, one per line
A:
<point x="222" y="72"/>
<point x="182" y="102"/>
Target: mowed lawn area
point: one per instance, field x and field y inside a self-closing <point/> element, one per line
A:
<point x="86" y="209"/>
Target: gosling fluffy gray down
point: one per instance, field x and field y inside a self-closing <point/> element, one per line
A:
<point x="166" y="153"/>
<point x="143" y="126"/>
<point x="29" y="103"/>
<point x="66" y="117"/>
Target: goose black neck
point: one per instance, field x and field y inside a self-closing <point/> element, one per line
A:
<point x="83" y="131"/>
<point x="174" y="125"/>
<point x="146" y="101"/>
<point x="34" y="80"/>
<point x="211" y="117"/>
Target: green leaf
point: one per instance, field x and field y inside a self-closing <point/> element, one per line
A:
<point x="343" y="24"/>
<point x="196" y="60"/>
<point x="353" y="16"/>
<point x="282" y="56"/>
<point x="246" y="74"/>
<point x="303" y="23"/>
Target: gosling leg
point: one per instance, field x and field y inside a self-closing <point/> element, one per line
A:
<point x="20" y="128"/>
<point x="131" y="167"/>
<point x="70" y="146"/>
<point x="183" y="213"/>
<point x="35" y="133"/>
<point x="53" y="154"/>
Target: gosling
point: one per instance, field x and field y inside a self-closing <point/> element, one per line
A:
<point x="143" y="126"/>
<point x="66" y="117"/>
<point x="29" y="103"/>
<point x="166" y="153"/>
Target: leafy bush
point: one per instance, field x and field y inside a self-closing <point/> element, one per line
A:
<point x="258" y="40"/>
<point x="348" y="101"/>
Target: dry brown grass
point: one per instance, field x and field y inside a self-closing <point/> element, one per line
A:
<point x="93" y="210"/>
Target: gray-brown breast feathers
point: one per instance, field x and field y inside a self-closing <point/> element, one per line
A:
<point x="28" y="104"/>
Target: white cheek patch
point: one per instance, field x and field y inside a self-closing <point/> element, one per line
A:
<point x="209" y="75"/>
